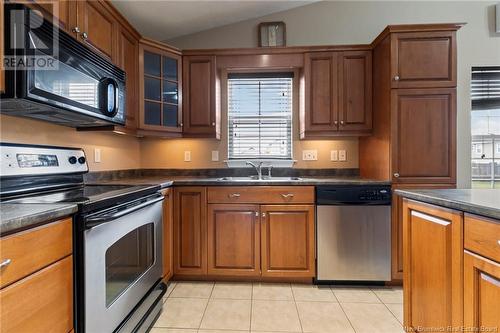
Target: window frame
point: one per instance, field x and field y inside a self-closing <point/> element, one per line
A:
<point x="280" y="163"/>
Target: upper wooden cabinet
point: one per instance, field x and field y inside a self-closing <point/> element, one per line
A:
<point x="337" y="94"/>
<point x="61" y="12"/>
<point x="199" y="112"/>
<point x="287" y="240"/>
<point x="160" y="77"/>
<point x="425" y="126"/>
<point x="423" y="59"/>
<point x="128" y="60"/>
<point x="433" y="280"/>
<point x="233" y="240"/>
<point x="190" y="231"/>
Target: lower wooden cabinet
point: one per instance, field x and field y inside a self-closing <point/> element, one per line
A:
<point x="190" y="231"/>
<point x="233" y="239"/>
<point x="168" y="230"/>
<point x="481" y="293"/>
<point x="288" y="240"/>
<point x="433" y="254"/>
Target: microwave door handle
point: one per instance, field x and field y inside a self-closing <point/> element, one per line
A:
<point x="91" y="222"/>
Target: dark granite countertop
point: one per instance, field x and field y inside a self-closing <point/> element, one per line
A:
<point x="167" y="181"/>
<point x="485" y="202"/>
<point x="17" y="216"/>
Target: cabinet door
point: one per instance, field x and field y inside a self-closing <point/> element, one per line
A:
<point x="190" y="231"/>
<point x="287" y="240"/>
<point x="160" y="89"/>
<point x="233" y="240"/>
<point x="397" y="225"/>
<point x="62" y="12"/>
<point x="321" y="94"/>
<point x="423" y="135"/>
<point x="168" y="220"/>
<point x="481" y="292"/>
<point x="424" y="59"/>
<point x="128" y="60"/>
<point x="199" y="96"/>
<point x="355" y="97"/>
<point x="98" y="28"/>
<point x="433" y="280"/>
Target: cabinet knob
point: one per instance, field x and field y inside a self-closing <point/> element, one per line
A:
<point x="76" y="30"/>
<point x="336" y="122"/>
<point x="256" y="214"/>
<point x="263" y="214"/>
<point x="5" y="263"/>
<point x="181" y="124"/>
<point x="341" y="122"/>
<point x="396" y="78"/>
<point x="85" y="36"/>
<point x="396" y="175"/>
<point x="213" y="124"/>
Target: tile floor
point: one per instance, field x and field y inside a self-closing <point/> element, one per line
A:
<point x="220" y="307"/>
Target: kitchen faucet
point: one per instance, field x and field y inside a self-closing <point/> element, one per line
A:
<point x="258" y="168"/>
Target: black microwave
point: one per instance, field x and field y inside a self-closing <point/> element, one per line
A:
<point x="50" y="76"/>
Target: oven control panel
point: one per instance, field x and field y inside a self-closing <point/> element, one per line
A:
<point x="20" y="159"/>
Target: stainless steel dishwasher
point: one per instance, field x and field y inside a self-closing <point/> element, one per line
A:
<point x="353" y="233"/>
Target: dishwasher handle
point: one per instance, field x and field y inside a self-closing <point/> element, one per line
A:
<point x="104" y="217"/>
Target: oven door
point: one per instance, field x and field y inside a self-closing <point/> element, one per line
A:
<point x="122" y="262"/>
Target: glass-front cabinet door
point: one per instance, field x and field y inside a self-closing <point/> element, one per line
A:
<point x="161" y="88"/>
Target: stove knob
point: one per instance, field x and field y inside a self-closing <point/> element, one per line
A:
<point x="72" y="160"/>
<point x="81" y="160"/>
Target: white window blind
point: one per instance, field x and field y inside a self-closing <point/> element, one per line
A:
<point x="485" y="88"/>
<point x="260" y="115"/>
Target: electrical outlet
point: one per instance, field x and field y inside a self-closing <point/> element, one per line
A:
<point x="342" y="155"/>
<point x="97" y="155"/>
<point x="187" y="156"/>
<point x="334" y="155"/>
<point x="309" y="155"/>
<point x="215" y="155"/>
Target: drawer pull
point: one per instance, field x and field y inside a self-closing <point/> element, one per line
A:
<point x="5" y="263"/>
<point x="490" y="279"/>
<point x="234" y="195"/>
<point x="287" y="195"/>
<point x="430" y="218"/>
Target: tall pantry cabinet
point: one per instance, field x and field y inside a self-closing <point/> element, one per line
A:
<point x="414" y="115"/>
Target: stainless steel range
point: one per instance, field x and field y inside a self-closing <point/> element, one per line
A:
<point x="117" y="235"/>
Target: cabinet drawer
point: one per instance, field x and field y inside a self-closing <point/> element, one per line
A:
<point x="261" y="194"/>
<point x="33" y="249"/>
<point x="482" y="236"/>
<point x="42" y="302"/>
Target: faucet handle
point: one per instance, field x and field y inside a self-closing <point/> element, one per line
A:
<point x="269" y="168"/>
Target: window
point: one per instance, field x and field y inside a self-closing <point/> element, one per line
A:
<point x="260" y="116"/>
<point x="485" y="124"/>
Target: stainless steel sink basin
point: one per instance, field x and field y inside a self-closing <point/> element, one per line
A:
<point x="256" y="179"/>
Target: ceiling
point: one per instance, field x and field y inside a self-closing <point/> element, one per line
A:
<point x="164" y="20"/>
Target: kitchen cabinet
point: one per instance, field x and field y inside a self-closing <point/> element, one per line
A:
<point x="337" y="94"/>
<point x="199" y="114"/>
<point x="37" y="285"/>
<point x="168" y="232"/>
<point x="355" y="96"/>
<point x="160" y="73"/>
<point x="190" y="231"/>
<point x="97" y="28"/>
<point x="424" y="126"/>
<point x="233" y="239"/>
<point x="61" y="12"/>
<point x="433" y="254"/>
<point x="481" y="292"/>
<point x="423" y="59"/>
<point x="287" y="233"/>
<point x="128" y="60"/>
<point x="2" y="52"/>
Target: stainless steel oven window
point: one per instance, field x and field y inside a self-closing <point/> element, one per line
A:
<point x="127" y="259"/>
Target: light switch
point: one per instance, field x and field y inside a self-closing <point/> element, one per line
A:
<point x="187" y="156"/>
<point x="309" y="155"/>
<point x="334" y="155"/>
<point x="97" y="155"/>
<point x="215" y="155"/>
<point x="342" y="155"/>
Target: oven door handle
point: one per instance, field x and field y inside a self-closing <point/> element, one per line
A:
<point x="93" y="221"/>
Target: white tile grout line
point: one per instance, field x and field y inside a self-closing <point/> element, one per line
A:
<point x="206" y="306"/>
<point x="251" y="307"/>
<point x="296" y="308"/>
<point x="387" y="307"/>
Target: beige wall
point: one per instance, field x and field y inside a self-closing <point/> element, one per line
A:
<point x="117" y="151"/>
<point x="352" y="22"/>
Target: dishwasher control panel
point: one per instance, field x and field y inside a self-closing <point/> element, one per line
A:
<point x="353" y="195"/>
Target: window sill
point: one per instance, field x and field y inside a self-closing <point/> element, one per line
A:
<point x="265" y="163"/>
